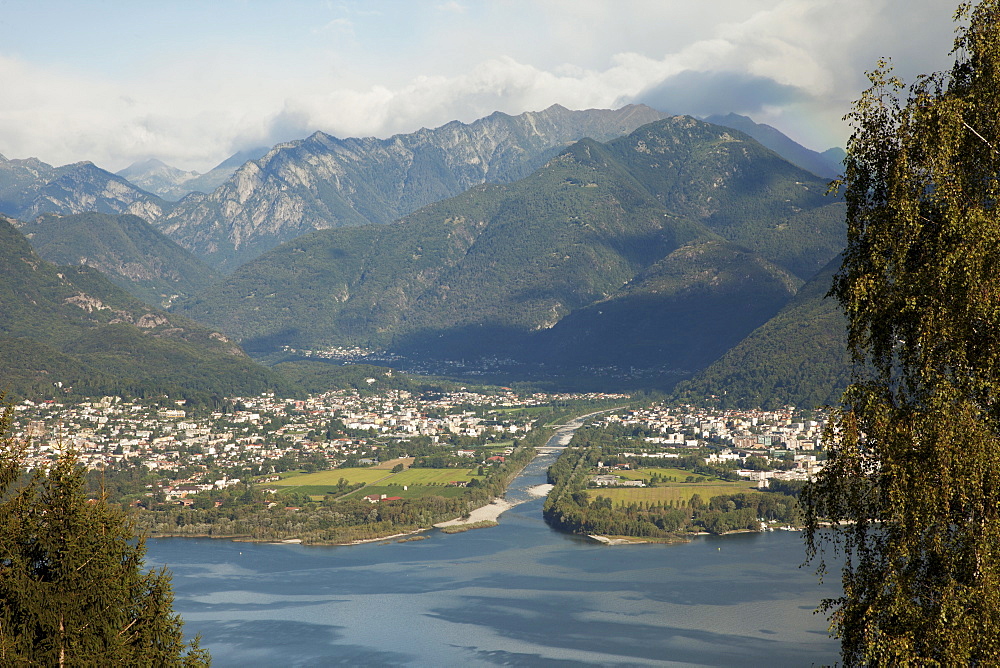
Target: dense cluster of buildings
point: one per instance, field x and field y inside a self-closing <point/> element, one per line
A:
<point x="778" y="436"/>
<point x="338" y="425"/>
<point x="334" y="425"/>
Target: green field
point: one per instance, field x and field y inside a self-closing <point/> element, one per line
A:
<point x="431" y="476"/>
<point x="353" y="476"/>
<point x="412" y="492"/>
<point x="675" y="493"/>
<point x="677" y="474"/>
<point x="420" y="482"/>
<point x="317" y="492"/>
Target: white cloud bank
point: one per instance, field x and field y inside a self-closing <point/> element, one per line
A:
<point x="796" y="64"/>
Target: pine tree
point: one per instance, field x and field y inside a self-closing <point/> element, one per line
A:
<point x="913" y="482"/>
<point x="73" y="590"/>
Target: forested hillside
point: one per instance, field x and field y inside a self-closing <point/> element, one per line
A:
<point x="68" y="329"/>
<point x="799" y="357"/>
<point x="661" y="248"/>
<point x="125" y="248"/>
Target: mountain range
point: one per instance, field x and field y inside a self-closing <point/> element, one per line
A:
<point x="661" y="248"/>
<point x="173" y="184"/>
<point x="324" y="182"/>
<point x="30" y="187"/>
<point x="563" y="239"/>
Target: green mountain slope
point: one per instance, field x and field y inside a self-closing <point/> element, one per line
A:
<point x="125" y="248"/>
<point x="738" y="188"/>
<point x="799" y="357"/>
<point x="683" y="312"/>
<point x="828" y="165"/>
<point x="527" y="270"/>
<point x="70" y="326"/>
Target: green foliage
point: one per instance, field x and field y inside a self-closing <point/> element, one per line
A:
<point x="914" y="469"/>
<point x="71" y="326"/>
<point x="799" y="357"/>
<point x="72" y="583"/>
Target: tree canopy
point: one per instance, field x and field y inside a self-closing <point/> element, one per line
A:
<point x="914" y="473"/>
<point x="73" y="590"/>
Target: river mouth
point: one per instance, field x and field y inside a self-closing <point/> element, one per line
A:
<point x="519" y="593"/>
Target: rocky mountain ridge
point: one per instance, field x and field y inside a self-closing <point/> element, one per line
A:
<point x="30" y="187"/>
<point x="173" y="184"/>
<point x="324" y="182"/>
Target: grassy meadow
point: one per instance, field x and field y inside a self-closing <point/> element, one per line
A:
<point x="331" y="477"/>
<point x="419" y="482"/>
<point x="676" y="475"/>
<point x="671" y="492"/>
<point x="672" y="489"/>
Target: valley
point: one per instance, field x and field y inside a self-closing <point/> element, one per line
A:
<point x="647" y="252"/>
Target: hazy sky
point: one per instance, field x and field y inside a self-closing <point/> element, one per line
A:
<point x="192" y="81"/>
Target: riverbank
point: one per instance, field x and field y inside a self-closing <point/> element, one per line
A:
<point x="490" y="512"/>
<point x="484" y="516"/>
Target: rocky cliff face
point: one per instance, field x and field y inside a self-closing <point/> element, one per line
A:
<point x="31" y="187"/>
<point x="324" y="182"/>
<point x="173" y="184"/>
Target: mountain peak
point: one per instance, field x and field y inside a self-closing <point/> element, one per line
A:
<point x="322" y="181"/>
<point x="822" y="165"/>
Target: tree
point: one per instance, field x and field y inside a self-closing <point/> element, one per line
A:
<point x="73" y="591"/>
<point x="913" y="478"/>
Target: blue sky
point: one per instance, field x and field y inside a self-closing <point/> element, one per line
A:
<point x="192" y="82"/>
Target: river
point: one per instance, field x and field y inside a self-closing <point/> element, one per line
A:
<point x="517" y="594"/>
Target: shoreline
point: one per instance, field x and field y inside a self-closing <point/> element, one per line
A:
<point x="492" y="511"/>
<point x="488" y="513"/>
<point x="483" y="516"/>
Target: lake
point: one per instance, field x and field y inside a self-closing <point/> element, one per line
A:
<point x="517" y="594"/>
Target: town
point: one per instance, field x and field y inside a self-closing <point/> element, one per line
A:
<point x="194" y="449"/>
<point x="791" y="437"/>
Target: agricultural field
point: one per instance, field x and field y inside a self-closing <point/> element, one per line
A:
<point x="675" y="493"/>
<point x="668" y="474"/>
<point x="411" y="492"/>
<point x="432" y="476"/>
<point x="419" y="482"/>
<point x="331" y="477"/>
<point x="405" y="461"/>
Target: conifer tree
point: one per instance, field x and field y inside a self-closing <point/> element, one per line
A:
<point x="73" y="590"/>
<point x="913" y="482"/>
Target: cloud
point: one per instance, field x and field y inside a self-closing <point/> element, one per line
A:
<point x="455" y="7"/>
<point x="708" y="93"/>
<point x="796" y="64"/>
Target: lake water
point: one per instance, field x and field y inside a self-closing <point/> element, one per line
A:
<point x="518" y="594"/>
